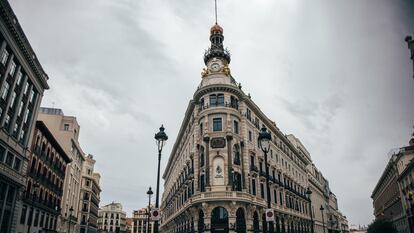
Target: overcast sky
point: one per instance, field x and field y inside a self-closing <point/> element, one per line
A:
<point x="336" y="74"/>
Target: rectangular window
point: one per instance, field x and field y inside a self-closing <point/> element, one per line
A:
<point x="9" y="159"/>
<point x="275" y="196"/>
<point x="19" y="78"/>
<point x="20" y="109"/>
<point x="281" y="198"/>
<point x="17" y="164"/>
<point x="217" y="124"/>
<point x="262" y="191"/>
<point x="21" y="136"/>
<point x="12" y="68"/>
<point x="253" y="186"/>
<point x="251" y="160"/>
<point x="2" y="150"/>
<point x="42" y="220"/>
<point x="250" y="136"/>
<point x="12" y="99"/>
<point x="23" y="216"/>
<point x="36" y="219"/>
<point x="236" y="127"/>
<point x="4" y="57"/>
<point x="6" y="123"/>
<point x="249" y="114"/>
<point x="31" y="96"/>
<point x="5" y="90"/>
<point x="26" y="88"/>
<point x="66" y="127"/>
<point x="26" y="116"/>
<point x="220" y="100"/>
<point x="213" y="100"/>
<point x="202" y="184"/>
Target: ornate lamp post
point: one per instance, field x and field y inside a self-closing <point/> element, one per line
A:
<point x="149" y="193"/>
<point x="70" y="218"/>
<point x="161" y="139"/>
<point x="323" y="220"/>
<point x="264" y="143"/>
<point x="308" y="193"/>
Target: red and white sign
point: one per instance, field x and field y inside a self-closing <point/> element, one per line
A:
<point x="269" y="215"/>
<point x="155" y="214"/>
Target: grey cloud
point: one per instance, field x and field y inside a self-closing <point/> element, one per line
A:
<point x="337" y="74"/>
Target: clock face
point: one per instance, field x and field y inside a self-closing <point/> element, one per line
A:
<point x="215" y="67"/>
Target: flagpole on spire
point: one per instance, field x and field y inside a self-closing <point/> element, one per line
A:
<point x="215" y="9"/>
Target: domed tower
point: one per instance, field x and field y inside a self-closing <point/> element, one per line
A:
<point x="217" y="60"/>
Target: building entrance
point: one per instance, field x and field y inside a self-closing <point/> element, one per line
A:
<point x="219" y="220"/>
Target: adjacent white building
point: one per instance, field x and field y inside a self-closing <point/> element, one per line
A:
<point x="112" y="219"/>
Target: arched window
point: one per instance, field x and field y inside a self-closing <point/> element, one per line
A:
<point x="240" y="221"/>
<point x="200" y="221"/>
<point x="219" y="220"/>
<point x="256" y="228"/>
<point x="236" y="154"/>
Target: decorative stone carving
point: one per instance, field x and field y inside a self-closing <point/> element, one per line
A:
<point x="218" y="142"/>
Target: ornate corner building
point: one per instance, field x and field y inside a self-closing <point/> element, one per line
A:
<point x="215" y="175"/>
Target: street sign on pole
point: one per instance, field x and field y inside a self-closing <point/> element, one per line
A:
<point x="269" y="215"/>
<point x="155" y="214"/>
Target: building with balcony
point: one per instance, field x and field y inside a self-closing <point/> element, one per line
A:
<point x="22" y="83"/>
<point x="393" y="194"/>
<point x="44" y="189"/>
<point x="140" y="221"/>
<point x="112" y="219"/>
<point x="215" y="175"/>
<point x="66" y="131"/>
<point x="90" y="197"/>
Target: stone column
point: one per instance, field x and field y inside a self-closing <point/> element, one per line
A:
<point x="242" y="166"/>
<point x="207" y="157"/>
<point x="229" y="139"/>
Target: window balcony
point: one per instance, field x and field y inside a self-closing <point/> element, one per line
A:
<point x="226" y="104"/>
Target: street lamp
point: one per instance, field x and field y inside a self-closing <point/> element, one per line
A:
<point x="161" y="139"/>
<point x="70" y="216"/>
<point x="149" y="193"/>
<point x="309" y="192"/>
<point x="264" y="143"/>
<point x="323" y="220"/>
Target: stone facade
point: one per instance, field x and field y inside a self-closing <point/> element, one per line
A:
<point x="44" y="188"/>
<point x="140" y="221"/>
<point x="89" y="197"/>
<point x="112" y="219"/>
<point x="22" y="83"/>
<point x="393" y="195"/>
<point x="66" y="131"/>
<point x="215" y="175"/>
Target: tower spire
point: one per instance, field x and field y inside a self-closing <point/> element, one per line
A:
<point x="215" y="9"/>
<point x="216" y="38"/>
